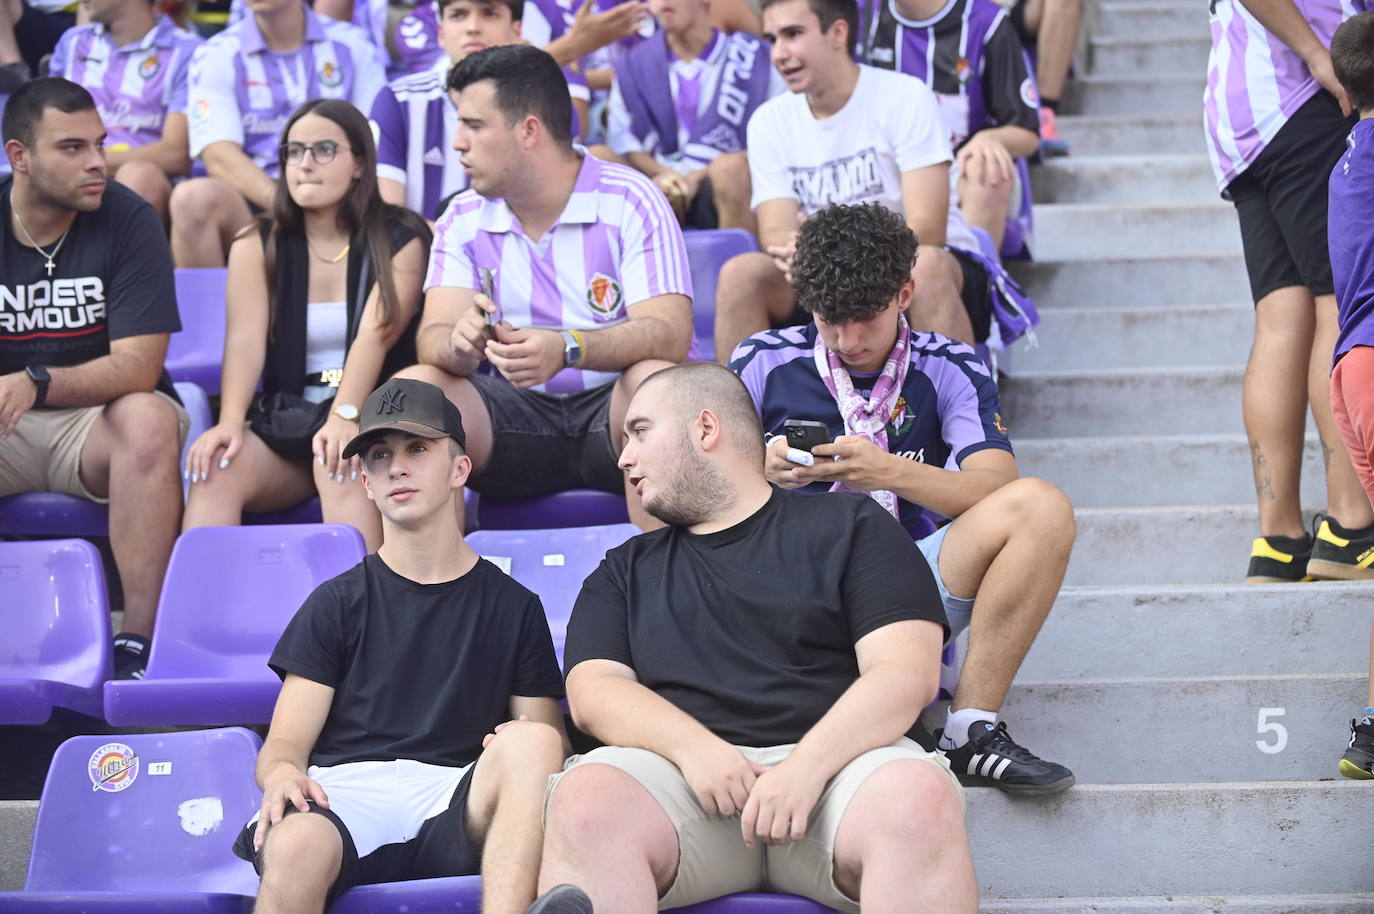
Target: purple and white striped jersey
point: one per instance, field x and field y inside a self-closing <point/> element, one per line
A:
<point x="135" y="87"/>
<point x="243" y="92"/>
<point x="1255" y="82"/>
<point x="368" y="15"/>
<point x="616" y="244"/>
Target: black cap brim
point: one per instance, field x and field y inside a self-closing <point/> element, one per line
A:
<point x="418" y="429"/>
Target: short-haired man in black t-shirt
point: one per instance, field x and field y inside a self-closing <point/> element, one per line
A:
<point x="401" y="678"/>
<point x="87" y="303"/>
<point x="752" y="668"/>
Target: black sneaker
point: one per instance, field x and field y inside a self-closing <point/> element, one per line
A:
<point x="1358" y="761"/>
<point x="1279" y="563"/>
<point x="1337" y="558"/>
<point x="130" y="656"/>
<point x="561" y="899"/>
<point x="992" y="758"/>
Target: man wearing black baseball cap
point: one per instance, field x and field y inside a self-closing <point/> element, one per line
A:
<point x="418" y="719"/>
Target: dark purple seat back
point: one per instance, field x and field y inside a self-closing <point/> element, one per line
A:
<point x="449" y="895"/>
<point x="56" y="620"/>
<point x="707" y="252"/>
<point x="572" y="508"/>
<point x="160" y="822"/>
<point x="196" y="352"/>
<point x="552" y="563"/>
<point x="757" y="903"/>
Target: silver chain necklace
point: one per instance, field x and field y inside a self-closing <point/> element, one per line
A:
<point x="57" y="247"/>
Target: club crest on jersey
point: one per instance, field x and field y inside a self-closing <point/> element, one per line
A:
<point x="331" y="75"/>
<point x="150" y="67"/>
<point x="901" y="421"/>
<point x="113" y="767"/>
<point x="1029" y="94"/>
<point x="997" y="423"/>
<point x="604" y="294"/>
<point x="200" y="110"/>
<point x="961" y="70"/>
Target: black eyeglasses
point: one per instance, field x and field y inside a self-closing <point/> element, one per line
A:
<point x="323" y="152"/>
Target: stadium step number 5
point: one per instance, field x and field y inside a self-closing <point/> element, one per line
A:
<point x="1269" y="727"/>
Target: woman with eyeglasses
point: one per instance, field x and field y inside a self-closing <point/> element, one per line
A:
<point x="322" y="304"/>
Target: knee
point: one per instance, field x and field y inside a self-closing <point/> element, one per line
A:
<point x="729" y="174"/>
<point x="936" y="271"/>
<point x="144" y="179"/>
<point x="743" y="277"/>
<point x="302" y="844"/>
<point x="922" y="803"/>
<point x="584" y="806"/>
<point x="528" y="746"/>
<point x="1040" y="505"/>
<point x="430" y="374"/>
<point x="638" y="373"/>
<point x="203" y="201"/>
<point x="146" y="425"/>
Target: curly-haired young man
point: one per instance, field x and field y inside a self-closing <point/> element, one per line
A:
<point x="918" y="428"/>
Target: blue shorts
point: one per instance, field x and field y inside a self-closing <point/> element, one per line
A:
<point x="958" y="611"/>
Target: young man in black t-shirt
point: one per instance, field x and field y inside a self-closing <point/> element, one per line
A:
<point x="752" y="669"/>
<point x="87" y="303"/>
<point x="401" y="678"/>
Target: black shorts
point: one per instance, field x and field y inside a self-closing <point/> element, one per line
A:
<point x="1018" y="22"/>
<point x="976" y="293"/>
<point x="441" y="847"/>
<point x="544" y="443"/>
<point x="702" y="213"/>
<point x="37" y="33"/>
<point x="1281" y="200"/>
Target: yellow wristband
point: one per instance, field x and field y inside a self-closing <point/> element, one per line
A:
<point x="581" y="348"/>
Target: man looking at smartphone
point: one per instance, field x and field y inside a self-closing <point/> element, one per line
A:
<point x="919" y="429"/>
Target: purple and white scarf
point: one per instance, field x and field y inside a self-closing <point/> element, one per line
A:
<point x="867" y="418"/>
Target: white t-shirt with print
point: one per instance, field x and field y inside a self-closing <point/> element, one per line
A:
<point x="891" y="124"/>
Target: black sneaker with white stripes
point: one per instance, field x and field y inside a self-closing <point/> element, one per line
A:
<point x="992" y="758"/>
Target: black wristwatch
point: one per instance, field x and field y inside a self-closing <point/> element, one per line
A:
<point x="38" y="374"/>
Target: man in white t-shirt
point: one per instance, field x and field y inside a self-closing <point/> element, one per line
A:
<point x="839" y="138"/>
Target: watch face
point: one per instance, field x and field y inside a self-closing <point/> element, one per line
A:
<point x="347" y="411"/>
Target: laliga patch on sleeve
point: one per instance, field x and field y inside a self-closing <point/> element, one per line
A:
<point x="500" y="561"/>
<point x="1029" y="95"/>
<point x="113" y="767"/>
<point x="554" y="561"/>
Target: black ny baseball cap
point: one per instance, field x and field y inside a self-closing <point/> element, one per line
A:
<point x="413" y="407"/>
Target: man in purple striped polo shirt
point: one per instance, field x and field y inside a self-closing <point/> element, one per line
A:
<point x="591" y="289"/>
<point x="135" y="65"/>
<point x="1276" y="122"/>
<point x="244" y="84"/>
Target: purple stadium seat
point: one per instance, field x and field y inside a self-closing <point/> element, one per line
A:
<point x="707" y="252"/>
<point x="143" y="823"/>
<point x="552" y="563"/>
<point x="228" y="594"/>
<point x="573" y="508"/>
<point x="949" y="672"/>
<point x="195" y="353"/>
<point x="757" y="903"/>
<point x="53" y="514"/>
<point x="452" y="895"/>
<point x="307" y="512"/>
<point x="56" y="649"/>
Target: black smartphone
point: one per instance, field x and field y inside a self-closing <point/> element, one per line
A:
<point x="804" y="434"/>
<point x="489" y="290"/>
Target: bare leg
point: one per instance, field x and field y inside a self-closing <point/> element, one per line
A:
<point x="504" y="806"/>
<point x="731" y="187"/>
<point x="1346" y="499"/>
<point x="206" y="215"/>
<point x="149" y="182"/>
<point x="1009" y="552"/>
<point x="131" y="455"/>
<point x="10" y="11"/>
<point x="476" y="419"/>
<point x="751" y="296"/>
<point x="621" y="395"/>
<point x="985" y="205"/>
<point x="1274" y="399"/>
<point x="258" y="479"/>
<point x="1056" y="34"/>
<point x="915" y="806"/>
<point x="608" y="836"/>
<point x="301" y="860"/>
<point x="345" y="501"/>
<point x="735" y="16"/>
<point x="937" y="305"/>
<point x="605" y="154"/>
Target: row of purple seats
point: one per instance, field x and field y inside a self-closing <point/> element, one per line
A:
<point x="143" y="824"/>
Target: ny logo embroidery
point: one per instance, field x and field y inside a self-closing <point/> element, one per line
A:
<point x="393" y="401"/>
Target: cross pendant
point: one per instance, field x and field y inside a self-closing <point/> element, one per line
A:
<point x="49" y="267"/>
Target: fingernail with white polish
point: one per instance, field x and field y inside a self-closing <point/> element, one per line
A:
<point x="321" y="460"/>
<point x="224" y="464"/>
<point x="355" y="475"/>
<point x="329" y="475"/>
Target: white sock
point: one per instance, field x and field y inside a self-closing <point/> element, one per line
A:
<point x="958" y="722"/>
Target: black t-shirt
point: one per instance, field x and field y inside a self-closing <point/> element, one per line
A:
<point x="751" y="630"/>
<point x="419" y="671"/>
<point x="112" y="279"/>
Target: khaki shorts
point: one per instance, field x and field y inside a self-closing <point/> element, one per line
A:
<point x="712" y="857"/>
<point x="44" y="453"/>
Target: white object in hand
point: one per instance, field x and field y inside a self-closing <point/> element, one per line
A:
<point x="797" y="455"/>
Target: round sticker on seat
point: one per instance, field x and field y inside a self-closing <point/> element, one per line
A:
<point x="112" y="767"/>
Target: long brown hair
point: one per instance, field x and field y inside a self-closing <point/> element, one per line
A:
<point x="362" y="212"/>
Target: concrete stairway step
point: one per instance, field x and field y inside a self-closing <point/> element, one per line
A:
<point x="1154" y="94"/>
<point x="16" y="835"/>
<point x="1173" y="839"/>
<point x="1152" y="547"/>
<point x="1135" y="281"/>
<point x="1151" y="54"/>
<point x="1136" y="179"/>
<point x="1133" y="134"/>
<point x="1194" y="904"/>
<point x="1164" y="401"/>
<point x="1093" y="231"/>
<point x="1152" y="17"/>
<point x="1145" y="470"/>
<point x="1191" y="631"/>
<point x="1114" y="731"/>
<point x="1123" y="338"/>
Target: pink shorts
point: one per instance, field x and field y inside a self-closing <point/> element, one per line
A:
<point x="1352" y="403"/>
